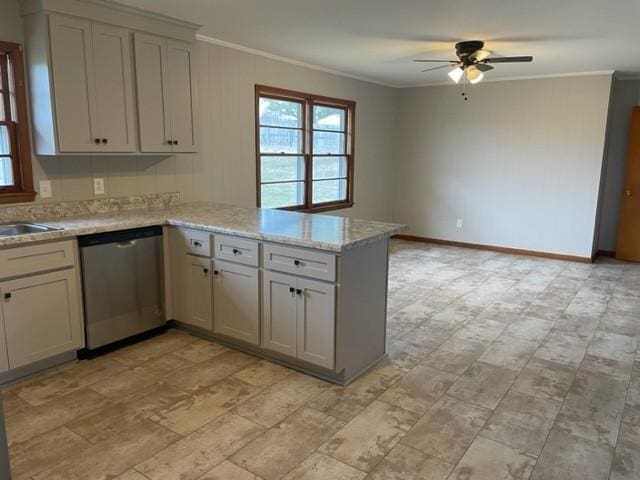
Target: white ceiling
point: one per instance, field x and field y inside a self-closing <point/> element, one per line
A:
<point x="377" y="39"/>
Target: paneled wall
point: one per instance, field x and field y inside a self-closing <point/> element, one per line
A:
<point x="520" y="162"/>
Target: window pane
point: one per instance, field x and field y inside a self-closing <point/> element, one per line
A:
<point x="6" y="173"/>
<point x="278" y="169"/>
<point x="328" y="142"/>
<point x="327" y="118"/>
<point x="280" y="140"/>
<point x="280" y="113"/>
<point x="5" y="145"/>
<point x="329" y="167"/>
<point x="329" y="190"/>
<point x="276" y="195"/>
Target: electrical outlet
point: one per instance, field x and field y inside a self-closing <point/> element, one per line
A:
<point x="459" y="223"/>
<point x="45" y="188"/>
<point x="98" y="186"/>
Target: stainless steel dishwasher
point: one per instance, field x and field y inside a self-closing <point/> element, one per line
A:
<point x="122" y="277"/>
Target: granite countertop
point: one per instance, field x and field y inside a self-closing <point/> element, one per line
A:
<point x="324" y="232"/>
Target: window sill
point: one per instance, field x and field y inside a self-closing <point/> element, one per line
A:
<point x="326" y="208"/>
<point x="17" y="197"/>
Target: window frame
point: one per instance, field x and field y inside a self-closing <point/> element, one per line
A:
<point x="22" y="189"/>
<point x="308" y="101"/>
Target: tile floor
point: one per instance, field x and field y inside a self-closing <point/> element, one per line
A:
<point x="500" y="367"/>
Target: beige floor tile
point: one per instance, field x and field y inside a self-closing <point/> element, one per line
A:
<point x="419" y="389"/>
<point x="263" y="373"/>
<point x="126" y="383"/>
<point x="529" y="328"/>
<point x="200" y="451"/>
<point x="522" y="422"/>
<point x="447" y="430"/>
<point x="320" y="467"/>
<point x="204" y="405"/>
<point x="13" y="404"/>
<point x="405" y="463"/>
<point x="101" y="424"/>
<point x="565" y="457"/>
<point x="277" y="452"/>
<point x="113" y="456"/>
<point x="561" y="347"/>
<point x="277" y="402"/>
<point x="210" y="371"/>
<point x="509" y="352"/>
<point x="131" y="475"/>
<point x="69" y="379"/>
<point x="626" y="462"/>
<point x="366" y="439"/>
<point x="453" y="362"/>
<point x="165" y="343"/>
<point x="44" y="451"/>
<point x="167" y="363"/>
<point x="229" y="471"/>
<point x="483" y="384"/>
<point x="25" y="425"/>
<point x="593" y="408"/>
<point x="347" y="402"/>
<point x="200" y="350"/>
<point x="489" y="460"/>
<point x="545" y="379"/>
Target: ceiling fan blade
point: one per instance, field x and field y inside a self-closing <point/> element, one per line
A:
<point x="436" y="68"/>
<point x="522" y="59"/>
<point x="483" y="67"/>
<point x="438" y="61"/>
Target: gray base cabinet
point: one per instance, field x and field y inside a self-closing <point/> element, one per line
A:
<point x="236" y="301"/>
<point x="198" y="292"/>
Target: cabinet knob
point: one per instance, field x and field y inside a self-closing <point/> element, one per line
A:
<point x="175" y="142"/>
<point x="96" y="140"/>
<point x="216" y="272"/>
<point x="7" y="296"/>
<point x="236" y="251"/>
<point x="170" y="142"/>
<point x="197" y="244"/>
<point x="205" y="270"/>
<point x="104" y="140"/>
<point x="299" y="291"/>
<point x="296" y="263"/>
<point x="291" y="289"/>
<point x="628" y="193"/>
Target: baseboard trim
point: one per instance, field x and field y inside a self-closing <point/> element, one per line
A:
<point x="494" y="248"/>
<point x="606" y="253"/>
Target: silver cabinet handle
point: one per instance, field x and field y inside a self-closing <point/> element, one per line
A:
<point x="127" y="244"/>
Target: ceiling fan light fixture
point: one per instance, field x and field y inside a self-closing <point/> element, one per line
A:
<point x="456" y="74"/>
<point x="481" y="55"/>
<point x="474" y="75"/>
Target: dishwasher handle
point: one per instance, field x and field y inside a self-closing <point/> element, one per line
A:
<point x="126" y="244"/>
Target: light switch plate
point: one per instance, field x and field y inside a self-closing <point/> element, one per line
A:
<point x="98" y="186"/>
<point x="459" y="223"/>
<point x="45" y="189"/>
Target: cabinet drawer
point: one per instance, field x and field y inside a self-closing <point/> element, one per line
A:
<point x="36" y="258"/>
<point x="300" y="262"/>
<point x="234" y="249"/>
<point x="196" y="242"/>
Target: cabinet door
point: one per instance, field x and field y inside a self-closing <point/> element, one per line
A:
<point x="279" y="313"/>
<point x="316" y="322"/>
<point x="198" y="290"/>
<point x="152" y="93"/>
<point x="4" y="360"/>
<point x="114" y="89"/>
<point x="36" y="330"/>
<point x="180" y="63"/>
<point x="236" y="301"/>
<point x="74" y="84"/>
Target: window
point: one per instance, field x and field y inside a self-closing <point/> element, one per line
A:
<point x="304" y="149"/>
<point x="16" y="181"/>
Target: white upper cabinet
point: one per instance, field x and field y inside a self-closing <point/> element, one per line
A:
<point x="165" y="86"/>
<point x="83" y="90"/>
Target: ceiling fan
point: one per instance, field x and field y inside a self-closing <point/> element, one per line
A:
<point x="473" y="61"/>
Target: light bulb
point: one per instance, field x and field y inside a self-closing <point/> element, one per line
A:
<point x="456" y="74"/>
<point x="474" y="75"/>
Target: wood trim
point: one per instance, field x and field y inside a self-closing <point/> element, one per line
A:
<point x="308" y="100"/>
<point x="23" y="190"/>
<point x="494" y="248"/>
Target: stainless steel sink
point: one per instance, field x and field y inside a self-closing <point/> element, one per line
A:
<point x="9" y="230"/>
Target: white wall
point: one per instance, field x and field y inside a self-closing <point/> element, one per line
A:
<point x="626" y="94"/>
<point x="224" y="168"/>
<point x="520" y="162"/>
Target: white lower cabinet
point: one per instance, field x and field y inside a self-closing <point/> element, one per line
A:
<point x="236" y="301"/>
<point x="41" y="317"/>
<point x="299" y="318"/>
<point x="199" y="309"/>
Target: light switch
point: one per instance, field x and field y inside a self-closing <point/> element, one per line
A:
<point x="98" y="186"/>
<point x="459" y="223"/>
<point x="45" y="188"/>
